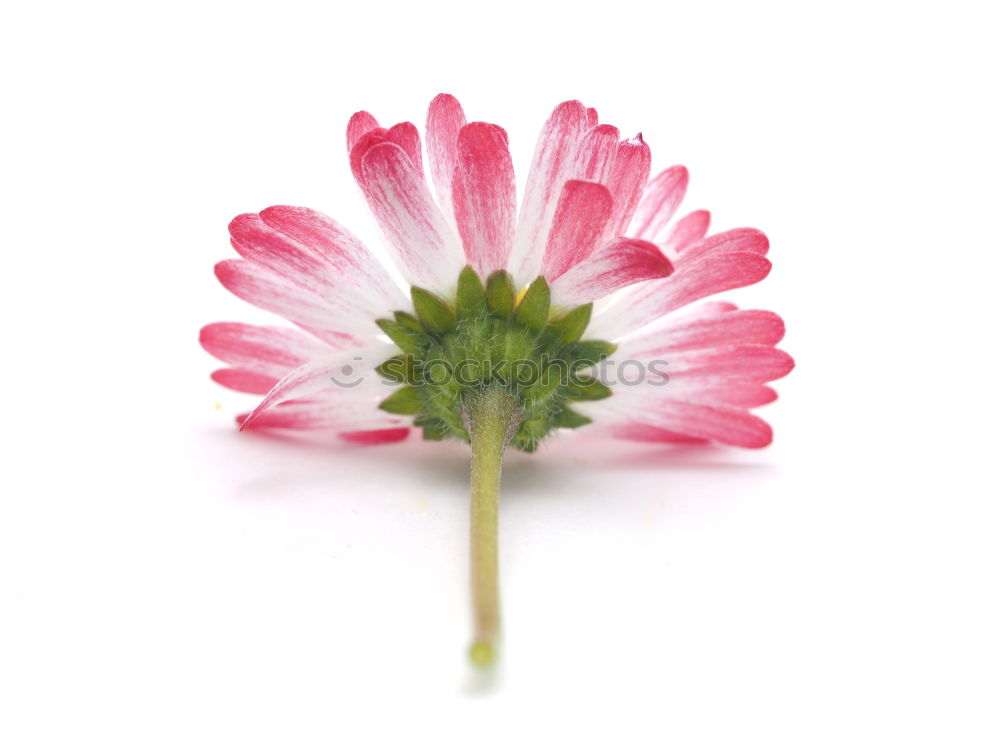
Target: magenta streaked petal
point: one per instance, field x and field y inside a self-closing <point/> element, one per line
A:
<point x="267" y="349"/>
<point x="702" y="309"/>
<point x="245" y="381"/>
<point x="359" y="124"/>
<point x="662" y="196"/>
<point x="744" y="395"/>
<point x="733" y="240"/>
<point x="316" y="414"/>
<point x="361" y="147"/>
<point x="445" y="119"/>
<point x="406" y="136"/>
<point x="268" y="291"/>
<point x="688" y="230"/>
<point x="644" y="433"/>
<point x="376" y="437"/>
<point x="707" y="328"/>
<point x="627" y="178"/>
<point x="554" y="153"/>
<point x="483" y="195"/>
<point x="346" y="376"/>
<point x="718" y="422"/>
<point x="650" y="301"/>
<point x="595" y="154"/>
<point x="722" y="423"/>
<point x="581" y="216"/>
<point x="618" y="264"/>
<point x="422" y="242"/>
<point x="748" y="362"/>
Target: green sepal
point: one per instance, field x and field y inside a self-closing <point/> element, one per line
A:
<point x="403" y="401"/>
<point x="545" y="387"/>
<point x="471" y="296"/>
<point x="436" y="432"/>
<point x="409" y="321"/>
<point x="403" y="336"/>
<point x="566" y="417"/>
<point x="586" y="388"/>
<point x="500" y="293"/>
<point x="585" y="353"/>
<point x="511" y="347"/>
<point x="531" y="432"/>
<point x="433" y="312"/>
<point x="569" y="327"/>
<point x="533" y="312"/>
<point x="433" y="429"/>
<point x="398" y="369"/>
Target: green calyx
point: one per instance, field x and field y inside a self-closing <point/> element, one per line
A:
<point x="488" y="337"/>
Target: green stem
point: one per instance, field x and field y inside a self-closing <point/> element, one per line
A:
<point x="492" y="416"/>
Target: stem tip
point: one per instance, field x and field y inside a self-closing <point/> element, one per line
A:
<point x="482" y="654"/>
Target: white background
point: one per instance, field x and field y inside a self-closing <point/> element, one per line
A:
<point x="168" y="583"/>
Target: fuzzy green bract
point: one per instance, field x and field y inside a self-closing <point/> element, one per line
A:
<point x="451" y="350"/>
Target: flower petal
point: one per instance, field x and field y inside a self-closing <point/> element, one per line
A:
<point x="719" y="422"/>
<point x="359" y="124"/>
<point x="483" y="194"/>
<point x="644" y="433"/>
<point x="324" y="414"/>
<point x="245" y="381"/>
<point x="406" y="136"/>
<point x="651" y="300"/>
<point x="627" y="177"/>
<point x="745" y="395"/>
<point x="712" y="329"/>
<point x="757" y="363"/>
<point x="688" y="230"/>
<point x="268" y="350"/>
<point x="403" y="134"/>
<point x="422" y="242"/>
<point x="618" y="264"/>
<point x="722" y="423"/>
<point x="348" y="379"/>
<point x="583" y="211"/>
<point x="554" y="152"/>
<point x="749" y="240"/>
<point x="595" y="154"/>
<point x="445" y="119"/>
<point x="361" y="147"/>
<point x="376" y="437"/>
<point x="702" y="309"/>
<point x="268" y="291"/>
<point x="353" y="274"/>
<point x="663" y="195"/>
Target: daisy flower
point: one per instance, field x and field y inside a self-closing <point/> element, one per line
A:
<point x="571" y="312"/>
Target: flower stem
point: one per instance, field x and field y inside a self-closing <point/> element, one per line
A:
<point x="492" y="417"/>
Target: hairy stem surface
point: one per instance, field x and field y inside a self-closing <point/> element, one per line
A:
<point x="492" y="417"/>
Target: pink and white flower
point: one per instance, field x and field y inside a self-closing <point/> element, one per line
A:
<point x="591" y="221"/>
